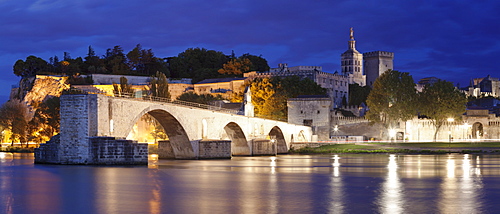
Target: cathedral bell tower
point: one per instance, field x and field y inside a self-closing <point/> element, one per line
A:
<point x="352" y="62"/>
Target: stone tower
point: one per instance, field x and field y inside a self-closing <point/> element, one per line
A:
<point x="376" y="63"/>
<point x="352" y="62"/>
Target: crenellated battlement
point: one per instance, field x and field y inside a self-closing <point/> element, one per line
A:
<point x="379" y="54"/>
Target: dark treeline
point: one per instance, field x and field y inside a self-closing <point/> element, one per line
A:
<point x="195" y="63"/>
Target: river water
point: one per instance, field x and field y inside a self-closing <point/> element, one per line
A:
<point x="380" y="183"/>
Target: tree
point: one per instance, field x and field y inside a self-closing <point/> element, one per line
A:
<point x="236" y="67"/>
<point x="143" y="61"/>
<point x="392" y="99"/>
<point x="358" y="94"/>
<point x="258" y="63"/>
<point x="14" y="117"/>
<point x="116" y="61"/>
<point x="45" y="122"/>
<point x="197" y="63"/>
<point x="440" y="101"/>
<point x="198" y="98"/>
<point x="123" y="88"/>
<point x="262" y="90"/>
<point x="293" y="86"/>
<point x="159" y="85"/>
<point x="94" y="64"/>
<point x="30" y="67"/>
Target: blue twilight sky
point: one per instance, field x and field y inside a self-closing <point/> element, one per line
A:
<point x="450" y="39"/>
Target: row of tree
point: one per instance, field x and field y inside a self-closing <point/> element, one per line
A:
<point x="394" y="98"/>
<point x="20" y="124"/>
<point x="195" y="63"/>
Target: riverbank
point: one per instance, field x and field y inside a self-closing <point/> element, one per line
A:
<point x="17" y="149"/>
<point x="404" y="148"/>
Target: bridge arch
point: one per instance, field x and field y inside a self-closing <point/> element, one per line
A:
<point x="277" y="135"/>
<point x="178" y="137"/>
<point x="239" y="143"/>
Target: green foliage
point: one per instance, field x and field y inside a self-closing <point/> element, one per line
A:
<point x="45" y="122"/>
<point x="392" y="99"/>
<point x="14" y="117"/>
<point x="123" y="88"/>
<point x="144" y="62"/>
<point x="159" y="85"/>
<point x="197" y="98"/>
<point x="236" y="67"/>
<point x="197" y="63"/>
<point x="257" y="62"/>
<point x="30" y="67"/>
<point x="93" y="63"/>
<point x="440" y="101"/>
<point x="116" y="61"/>
<point x="358" y="94"/>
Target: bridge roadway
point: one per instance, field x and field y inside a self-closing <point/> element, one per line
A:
<point x="96" y="115"/>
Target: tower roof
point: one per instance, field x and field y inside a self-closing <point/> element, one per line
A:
<point x="351" y="42"/>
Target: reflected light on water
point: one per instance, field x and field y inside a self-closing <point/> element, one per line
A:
<point x="336" y="165"/>
<point x="273" y="188"/>
<point x="466" y="167"/>
<point x="392" y="198"/>
<point x="461" y="193"/>
<point x="4" y="157"/>
<point x="337" y="195"/>
<point x="153" y="161"/>
<point x="450" y="167"/>
<point x="273" y="165"/>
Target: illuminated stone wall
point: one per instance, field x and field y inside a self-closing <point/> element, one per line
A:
<point x="313" y="112"/>
<point x="77" y="124"/>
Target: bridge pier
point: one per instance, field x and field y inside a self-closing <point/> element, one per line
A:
<point x="264" y="147"/>
<point x="203" y="149"/>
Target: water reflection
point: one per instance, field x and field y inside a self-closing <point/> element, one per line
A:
<point x="337" y="193"/>
<point x="392" y="196"/>
<point x="282" y="184"/>
<point x="461" y="193"/>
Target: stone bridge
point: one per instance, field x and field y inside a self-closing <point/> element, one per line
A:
<point x="94" y="115"/>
